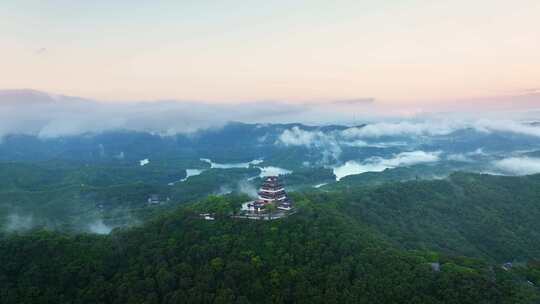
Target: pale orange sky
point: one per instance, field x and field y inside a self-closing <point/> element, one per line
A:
<point x="422" y="53"/>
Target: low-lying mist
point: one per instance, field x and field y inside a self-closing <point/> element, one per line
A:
<point x="378" y="164"/>
<point x="20" y="223"/>
<point x="47" y="115"/>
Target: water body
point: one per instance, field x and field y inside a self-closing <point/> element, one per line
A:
<point x="189" y="173"/>
<point x="245" y="165"/>
<point x="353" y="167"/>
<point x="265" y="171"/>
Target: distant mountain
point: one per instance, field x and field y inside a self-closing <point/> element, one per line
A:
<point x="32" y="97"/>
<point x="49" y="115"/>
<point x="305" y="146"/>
<point x="19" y="97"/>
<point x="230" y="143"/>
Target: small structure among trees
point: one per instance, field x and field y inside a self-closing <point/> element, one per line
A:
<point x="154" y="199"/>
<point x="273" y="201"/>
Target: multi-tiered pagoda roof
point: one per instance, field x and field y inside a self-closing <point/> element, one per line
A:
<point x="271" y="192"/>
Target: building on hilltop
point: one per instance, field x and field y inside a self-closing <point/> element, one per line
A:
<point x="272" y="193"/>
<point x="153" y="199"/>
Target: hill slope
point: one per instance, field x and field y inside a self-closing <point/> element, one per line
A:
<point x="315" y="256"/>
<point x="494" y="217"/>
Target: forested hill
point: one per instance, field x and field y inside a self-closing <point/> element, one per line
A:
<point x="485" y="216"/>
<point x="317" y="255"/>
<point x="438" y="241"/>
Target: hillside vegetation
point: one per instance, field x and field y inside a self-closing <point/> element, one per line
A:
<point x="485" y="216"/>
<point x="354" y="241"/>
<point x="318" y="255"/>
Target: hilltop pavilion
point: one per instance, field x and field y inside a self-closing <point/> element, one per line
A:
<point x="272" y="193"/>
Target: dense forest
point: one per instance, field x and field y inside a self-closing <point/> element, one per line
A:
<point x="388" y="237"/>
<point x="270" y="152"/>
<point x="318" y="255"/>
<point x="67" y="195"/>
<point x="485" y="216"/>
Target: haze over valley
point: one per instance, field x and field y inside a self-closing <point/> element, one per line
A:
<point x="270" y="152"/>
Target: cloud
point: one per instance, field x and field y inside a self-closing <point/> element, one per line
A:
<point x="273" y="171"/>
<point x="315" y="139"/>
<point x="18" y="223"/>
<point x="404" y="128"/>
<point x="383" y="134"/>
<point x="360" y="143"/>
<point x="98" y="227"/>
<point x="40" y="51"/>
<point x="507" y="126"/>
<point x="532" y="91"/>
<point x="247" y="188"/>
<point x="223" y="190"/>
<point x="325" y="143"/>
<point x="298" y="137"/>
<point x="518" y="165"/>
<point x="379" y="164"/>
<point x="354" y="102"/>
<point x="459" y="158"/>
<point x="48" y="116"/>
<point x="331" y="143"/>
<point x="440" y="128"/>
<point x="466" y="157"/>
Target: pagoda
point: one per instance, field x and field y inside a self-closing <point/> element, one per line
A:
<point x="271" y="192"/>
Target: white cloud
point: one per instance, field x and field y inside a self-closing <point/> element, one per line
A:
<point x="273" y="171"/>
<point x="247" y="188"/>
<point x="404" y="128"/>
<point x="48" y="116"/>
<point x="223" y="190"/>
<point x="519" y="165"/>
<point x="144" y="162"/>
<point x="298" y="137"/>
<point x="16" y="222"/>
<point x="459" y="158"/>
<point x="378" y="164"/>
<point x="466" y="157"/>
<point x="356" y="143"/>
<point x="332" y="142"/>
<point x="326" y="143"/>
<point x="507" y="126"/>
<point x="98" y="227"/>
<point x="317" y="186"/>
<point x="438" y="128"/>
<point x="329" y="143"/>
<point x="478" y="152"/>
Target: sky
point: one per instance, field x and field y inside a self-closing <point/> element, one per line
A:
<point x="413" y="54"/>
